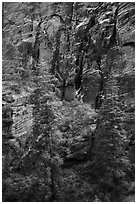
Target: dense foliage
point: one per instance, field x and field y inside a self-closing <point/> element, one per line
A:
<point x="68" y="101"/>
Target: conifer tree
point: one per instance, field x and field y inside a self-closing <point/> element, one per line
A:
<point x="110" y="157"/>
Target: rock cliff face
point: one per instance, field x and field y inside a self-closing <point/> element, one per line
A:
<point x="90" y="87"/>
<point x="7" y="122"/>
<point x="127" y="87"/>
<point x="125" y="76"/>
<point x="70" y="92"/>
<point x="7" y="115"/>
<point x="16" y="125"/>
<point x="22" y="118"/>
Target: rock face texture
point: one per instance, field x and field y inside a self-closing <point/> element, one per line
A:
<point x="70" y="93"/>
<point x="127" y="87"/>
<point x="7" y="116"/>
<point x="16" y="123"/>
<point x="7" y="121"/>
<point x="90" y="87"/>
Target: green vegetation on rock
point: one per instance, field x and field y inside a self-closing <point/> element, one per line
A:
<point x="68" y="101"/>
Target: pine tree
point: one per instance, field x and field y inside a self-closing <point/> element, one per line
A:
<point x="110" y="160"/>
